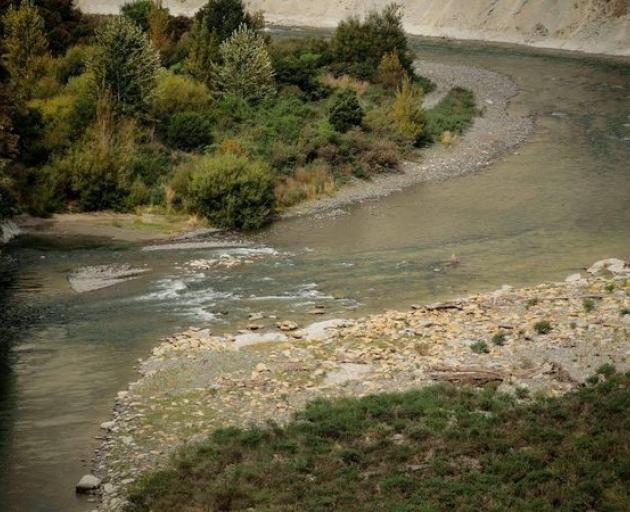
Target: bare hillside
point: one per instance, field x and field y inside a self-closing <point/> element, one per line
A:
<point x="597" y="26"/>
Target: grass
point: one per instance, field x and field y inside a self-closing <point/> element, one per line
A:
<point x="480" y="347"/>
<point x="437" y="449"/>
<point x="543" y="327"/>
<point x="453" y="114"/>
<point x="589" y="305"/>
<point x="499" y="338"/>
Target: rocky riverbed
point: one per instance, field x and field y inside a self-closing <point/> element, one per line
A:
<point x="546" y="339"/>
<point x="497" y="131"/>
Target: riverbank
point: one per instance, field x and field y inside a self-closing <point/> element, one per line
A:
<point x="128" y="227"/>
<point x="546" y="339"/>
<point x="495" y="133"/>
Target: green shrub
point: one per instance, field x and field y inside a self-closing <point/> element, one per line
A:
<point x="179" y="93"/>
<point x="542" y="327"/>
<point x="609" y="287"/>
<point x="453" y="114"/>
<point x="74" y="62"/>
<point x="346" y="111"/>
<point x="480" y="347"/>
<point x="359" y="45"/>
<point x="589" y="305"/>
<point x="232" y="191"/>
<point x="189" y="131"/>
<point x="499" y="338"/>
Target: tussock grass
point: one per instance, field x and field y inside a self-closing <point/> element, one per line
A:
<point x="437" y="449"/>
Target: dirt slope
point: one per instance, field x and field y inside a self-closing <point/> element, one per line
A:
<point x="596" y="26"/>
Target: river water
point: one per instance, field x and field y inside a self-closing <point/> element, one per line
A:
<point x="556" y="204"/>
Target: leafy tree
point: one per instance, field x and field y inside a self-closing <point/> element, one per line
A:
<point x="159" y="19"/>
<point x="232" y="191"/>
<point x="25" y="44"/>
<point x="224" y="17"/>
<point x="406" y="113"/>
<point x="139" y="11"/>
<point x="390" y="72"/>
<point x="64" y="24"/>
<point x="204" y="50"/>
<point x="125" y="65"/>
<point x="8" y="138"/>
<point x="346" y="112"/>
<point x="359" y="45"/>
<point x="246" y="70"/>
<point x="189" y="131"/>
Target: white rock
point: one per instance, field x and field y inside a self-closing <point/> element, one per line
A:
<point x="108" y="425"/>
<point x="88" y="483"/>
<point x="576" y="279"/>
<point x="613" y="265"/>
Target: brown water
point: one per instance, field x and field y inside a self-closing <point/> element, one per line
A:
<point x="557" y="204"/>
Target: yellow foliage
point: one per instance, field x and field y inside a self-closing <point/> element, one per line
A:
<point x="307" y="183"/>
<point x="345" y="82"/>
<point x="178" y="93"/>
<point x="406" y="113"/>
<point x="390" y="72"/>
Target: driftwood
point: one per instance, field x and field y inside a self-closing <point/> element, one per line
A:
<point x="465" y="374"/>
<point x="442" y="307"/>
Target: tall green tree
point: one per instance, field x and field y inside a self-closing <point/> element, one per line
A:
<point x="125" y="66"/>
<point x="24" y="44"/>
<point x="138" y="11"/>
<point x="223" y="17"/>
<point x="204" y="50"/>
<point x="246" y="69"/>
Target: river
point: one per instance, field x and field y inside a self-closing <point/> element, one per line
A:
<point x="557" y="203"/>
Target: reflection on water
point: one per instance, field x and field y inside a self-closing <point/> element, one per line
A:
<point x="558" y="203"/>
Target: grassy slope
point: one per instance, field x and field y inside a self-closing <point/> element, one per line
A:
<point x="435" y="449"/>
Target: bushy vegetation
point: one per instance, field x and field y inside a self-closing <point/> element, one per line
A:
<point x="453" y="114"/>
<point x="437" y="449"/>
<point x="232" y="191"/>
<point x="117" y="114"/>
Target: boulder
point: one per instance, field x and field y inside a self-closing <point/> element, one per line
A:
<point x="612" y="265"/>
<point x="88" y="483"/>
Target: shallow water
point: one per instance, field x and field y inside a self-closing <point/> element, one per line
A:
<point x="558" y="203"/>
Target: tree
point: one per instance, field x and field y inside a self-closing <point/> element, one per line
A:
<point x="346" y="112"/>
<point x="224" y="17"/>
<point x="246" y="70"/>
<point x="138" y="11"/>
<point x="159" y="19"/>
<point x="390" y="72"/>
<point x="407" y="114"/>
<point x="359" y="45"/>
<point x="204" y="50"/>
<point x="25" y="44"/>
<point x="125" y="66"/>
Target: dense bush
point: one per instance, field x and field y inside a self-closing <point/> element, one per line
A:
<point x="346" y="111"/>
<point x="390" y="72"/>
<point x="232" y="191"/>
<point x="299" y="63"/>
<point x="74" y="62"/>
<point x="189" y="131"/>
<point x="138" y="11"/>
<point x="224" y="17"/>
<point x="359" y="45"/>
<point x="178" y="93"/>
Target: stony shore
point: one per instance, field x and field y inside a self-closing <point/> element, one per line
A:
<point x="196" y="381"/>
<point x="495" y="133"/>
